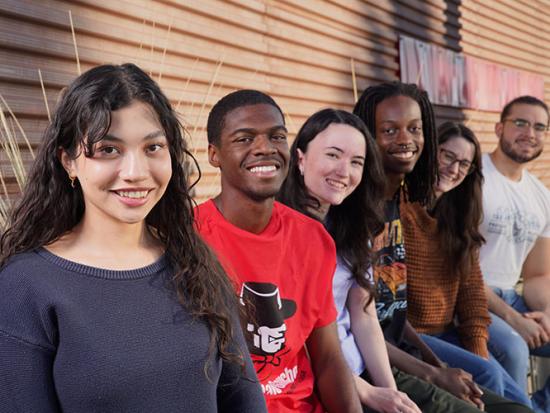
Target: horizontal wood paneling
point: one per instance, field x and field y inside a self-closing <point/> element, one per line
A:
<point x="511" y="33"/>
<point x="299" y="51"/>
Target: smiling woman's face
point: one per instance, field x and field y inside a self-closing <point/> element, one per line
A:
<point x="129" y="170"/>
<point x="333" y="164"/>
<point x="454" y="162"/>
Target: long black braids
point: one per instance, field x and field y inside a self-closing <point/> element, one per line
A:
<point x="421" y="181"/>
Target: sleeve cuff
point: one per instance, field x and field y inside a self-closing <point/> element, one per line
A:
<point x="477" y="345"/>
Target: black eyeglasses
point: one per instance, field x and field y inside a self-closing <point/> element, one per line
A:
<point x="525" y="124"/>
<point x="448" y="158"/>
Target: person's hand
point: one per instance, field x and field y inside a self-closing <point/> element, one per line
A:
<point x="529" y="328"/>
<point x="460" y="384"/>
<point x="542" y="319"/>
<point x="386" y="400"/>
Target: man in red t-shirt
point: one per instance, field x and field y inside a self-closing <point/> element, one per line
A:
<point x="281" y="261"/>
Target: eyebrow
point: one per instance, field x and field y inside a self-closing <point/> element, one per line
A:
<point x="147" y="137"/>
<point x="252" y="130"/>
<point x="397" y="120"/>
<point x="336" y="148"/>
<point x="455" y="155"/>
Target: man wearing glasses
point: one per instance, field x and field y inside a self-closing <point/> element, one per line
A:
<point x="516" y="226"/>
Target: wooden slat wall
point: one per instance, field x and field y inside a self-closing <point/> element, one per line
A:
<point x="511" y="33"/>
<point x="299" y="51"/>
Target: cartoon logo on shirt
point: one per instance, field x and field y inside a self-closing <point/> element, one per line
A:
<point x="390" y="272"/>
<point x="516" y="225"/>
<point x="393" y="273"/>
<point x="265" y="332"/>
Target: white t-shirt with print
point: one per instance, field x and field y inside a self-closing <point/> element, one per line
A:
<point x="515" y="215"/>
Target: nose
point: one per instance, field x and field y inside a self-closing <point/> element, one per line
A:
<point x="263" y="146"/>
<point x="531" y="131"/>
<point x="454" y="168"/>
<point x="403" y="137"/>
<point x="342" y="169"/>
<point x="133" y="167"/>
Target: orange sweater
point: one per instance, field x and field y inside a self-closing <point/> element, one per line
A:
<point x="434" y="298"/>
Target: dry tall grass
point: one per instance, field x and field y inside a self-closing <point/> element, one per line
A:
<point x="9" y="142"/>
<point x="12" y="135"/>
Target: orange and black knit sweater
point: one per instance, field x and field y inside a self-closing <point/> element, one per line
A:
<point x="434" y="297"/>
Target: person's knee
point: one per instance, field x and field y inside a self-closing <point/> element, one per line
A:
<point x="510" y="349"/>
<point x="516" y="350"/>
<point x="491" y="375"/>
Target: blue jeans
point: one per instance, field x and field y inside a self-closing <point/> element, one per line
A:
<point x="511" y="350"/>
<point x="486" y="373"/>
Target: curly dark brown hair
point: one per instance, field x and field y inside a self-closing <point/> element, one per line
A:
<point x="49" y="207"/>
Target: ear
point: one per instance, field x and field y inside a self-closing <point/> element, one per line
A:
<point x="300" y="161"/>
<point x="213" y="157"/>
<point x="498" y="129"/>
<point x="67" y="162"/>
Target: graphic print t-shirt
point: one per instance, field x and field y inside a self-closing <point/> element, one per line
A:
<point x="284" y="280"/>
<point x="390" y="275"/>
<point x="515" y="215"/>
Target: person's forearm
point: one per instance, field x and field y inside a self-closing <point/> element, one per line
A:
<point x="336" y="387"/>
<point x="472" y="311"/>
<point x="427" y="354"/>
<point x="364" y="389"/>
<point x="369" y="338"/>
<point x="499" y="307"/>
<point x="536" y="293"/>
<point x="376" y="356"/>
<point x="409" y="364"/>
<point x="333" y="378"/>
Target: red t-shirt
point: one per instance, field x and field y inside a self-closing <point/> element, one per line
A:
<point x="285" y="275"/>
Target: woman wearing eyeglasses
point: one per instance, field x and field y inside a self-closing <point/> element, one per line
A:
<point x="445" y="293"/>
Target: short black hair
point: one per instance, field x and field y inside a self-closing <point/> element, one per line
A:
<point x="525" y="100"/>
<point x="232" y="101"/>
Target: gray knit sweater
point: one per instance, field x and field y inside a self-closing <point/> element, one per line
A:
<point x="75" y="338"/>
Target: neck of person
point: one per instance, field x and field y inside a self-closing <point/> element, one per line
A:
<point x="506" y="166"/>
<point x="252" y="215"/>
<point x="393" y="183"/>
<point x="437" y="193"/>
<point x="115" y="236"/>
<point x="108" y="243"/>
<point x="321" y="212"/>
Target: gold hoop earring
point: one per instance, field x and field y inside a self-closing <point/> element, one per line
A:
<point x="72" y="179"/>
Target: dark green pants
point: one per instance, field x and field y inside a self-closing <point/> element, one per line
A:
<point x="431" y="399"/>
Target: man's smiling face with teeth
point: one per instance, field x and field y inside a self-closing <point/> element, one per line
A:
<point x="399" y="134"/>
<point x="253" y="151"/>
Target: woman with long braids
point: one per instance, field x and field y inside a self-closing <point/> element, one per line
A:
<point x="400" y="118"/>
<point x="109" y="299"/>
